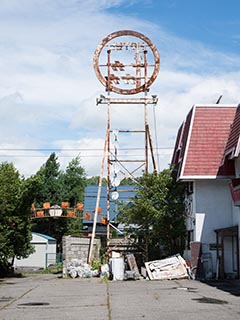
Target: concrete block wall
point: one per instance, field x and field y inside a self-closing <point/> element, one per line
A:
<point x="77" y="248"/>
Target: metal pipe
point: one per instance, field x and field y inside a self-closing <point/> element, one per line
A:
<point x="108" y="182"/>
<point x="151" y="148"/>
<point x="90" y="253"/>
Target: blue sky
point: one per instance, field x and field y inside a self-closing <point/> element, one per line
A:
<point x="213" y="22"/>
<point x="48" y="86"/>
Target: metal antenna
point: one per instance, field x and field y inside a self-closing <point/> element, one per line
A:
<point x="219" y="99"/>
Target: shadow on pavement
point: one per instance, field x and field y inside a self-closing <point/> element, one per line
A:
<point x="230" y="286"/>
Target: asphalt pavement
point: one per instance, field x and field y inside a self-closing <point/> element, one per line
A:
<point x="52" y="297"/>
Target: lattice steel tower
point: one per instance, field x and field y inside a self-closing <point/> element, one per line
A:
<point x="127" y="63"/>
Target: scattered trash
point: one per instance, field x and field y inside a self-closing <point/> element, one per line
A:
<point x="133" y="267"/>
<point x="76" y="268"/>
<point x="125" y="268"/>
<point x="131" y="275"/>
<point x="115" y="254"/>
<point x="104" y="271"/>
<point x="167" y="269"/>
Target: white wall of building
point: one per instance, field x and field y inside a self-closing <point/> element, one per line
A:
<point x="43" y="246"/>
<point x="213" y="209"/>
<point x="213" y="199"/>
<point x="236" y="215"/>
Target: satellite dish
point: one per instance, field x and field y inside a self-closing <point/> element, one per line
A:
<point x="115" y="195"/>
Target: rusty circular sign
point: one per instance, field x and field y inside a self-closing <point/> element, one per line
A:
<point x="126" y="66"/>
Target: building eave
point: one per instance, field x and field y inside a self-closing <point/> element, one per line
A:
<point x="204" y="177"/>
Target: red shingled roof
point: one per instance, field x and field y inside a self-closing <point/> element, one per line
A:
<point x="232" y="147"/>
<point x="203" y="140"/>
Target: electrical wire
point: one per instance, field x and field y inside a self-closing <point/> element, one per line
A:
<point x="82" y="153"/>
<point x="70" y="149"/>
<point x="156" y="136"/>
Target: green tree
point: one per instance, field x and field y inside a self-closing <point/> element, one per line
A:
<point x="16" y="196"/>
<point x="57" y="186"/>
<point x="94" y="180"/>
<point x="50" y="189"/>
<point x="156" y="214"/>
<point x="128" y="182"/>
<point x="74" y="182"/>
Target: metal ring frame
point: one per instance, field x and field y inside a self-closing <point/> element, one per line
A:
<point x="116" y="34"/>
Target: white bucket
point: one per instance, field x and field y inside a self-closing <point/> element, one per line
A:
<point x="117" y="268"/>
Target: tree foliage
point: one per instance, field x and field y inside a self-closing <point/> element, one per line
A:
<point x="156" y="214"/>
<point x="94" y="180"/>
<point x="74" y="182"/>
<point x="50" y="189"/>
<point x="16" y="196"/>
<point x="57" y="186"/>
<point x="128" y="182"/>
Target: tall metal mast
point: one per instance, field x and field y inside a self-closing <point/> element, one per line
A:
<point x="128" y="66"/>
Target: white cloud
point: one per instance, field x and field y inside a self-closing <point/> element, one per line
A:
<point x="48" y="86"/>
<point x="89" y="150"/>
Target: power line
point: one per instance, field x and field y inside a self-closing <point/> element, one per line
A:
<point x="72" y="149"/>
<point x="156" y="136"/>
<point x="59" y="156"/>
<point x="84" y="152"/>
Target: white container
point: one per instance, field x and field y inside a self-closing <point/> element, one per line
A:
<point x="55" y="211"/>
<point x="117" y="268"/>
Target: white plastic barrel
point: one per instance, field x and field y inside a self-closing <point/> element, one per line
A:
<point x="117" y="268"/>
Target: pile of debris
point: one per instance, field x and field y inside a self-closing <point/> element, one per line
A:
<point x="77" y="268"/>
<point x="125" y="268"/>
<point x="118" y="268"/>
<point x="174" y="267"/>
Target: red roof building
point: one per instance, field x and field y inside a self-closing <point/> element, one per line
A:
<point x="206" y="155"/>
<point x="202" y="140"/>
<point x="233" y="144"/>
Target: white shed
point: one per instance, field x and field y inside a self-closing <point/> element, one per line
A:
<point x="44" y="255"/>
